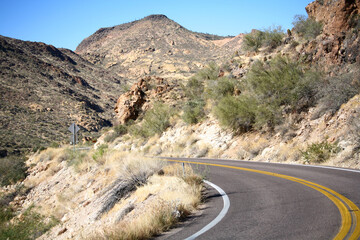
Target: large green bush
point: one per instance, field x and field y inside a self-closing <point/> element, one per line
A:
<point x="216" y="89"/>
<point x="155" y="121"/>
<point x="268" y="91"/>
<point x="307" y="28"/>
<point x="319" y="152"/>
<point x="193" y="111"/>
<point x="271" y="37"/>
<point x="236" y="112"/>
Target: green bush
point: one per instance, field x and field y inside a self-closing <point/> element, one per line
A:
<point x="155" y="121"/>
<point x="280" y="82"/>
<point x="236" y="113"/>
<point x="31" y="226"/>
<point x="100" y="151"/>
<point x="319" y="152"/>
<point x="271" y="37"/>
<point x="307" y="28"/>
<point x="253" y="41"/>
<point x="216" y="89"/>
<point x="12" y="169"/>
<point x="193" y="111"/>
<point x="194" y="88"/>
<point x="268" y="91"/>
<point x="210" y="72"/>
<point x="119" y="130"/>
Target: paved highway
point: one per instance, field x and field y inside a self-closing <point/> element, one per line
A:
<point x="276" y="201"/>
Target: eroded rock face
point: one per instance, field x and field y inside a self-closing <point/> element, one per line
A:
<point x="337" y="15"/>
<point x="130" y="104"/>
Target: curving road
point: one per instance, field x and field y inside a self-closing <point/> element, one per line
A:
<point x="277" y="201"/>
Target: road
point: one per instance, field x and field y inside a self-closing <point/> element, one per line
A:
<point x="276" y="201"/>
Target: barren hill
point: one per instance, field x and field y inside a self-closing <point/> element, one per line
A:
<point x="152" y="45"/>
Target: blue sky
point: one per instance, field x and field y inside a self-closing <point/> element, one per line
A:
<point x="65" y="23"/>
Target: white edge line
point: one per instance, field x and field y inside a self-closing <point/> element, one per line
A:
<point x="219" y="217"/>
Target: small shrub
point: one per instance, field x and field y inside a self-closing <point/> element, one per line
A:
<point x="216" y="89"/>
<point x="193" y="111"/>
<point x="253" y="41"/>
<point x="273" y="37"/>
<point x="194" y="88"/>
<point x="100" y="151"/>
<point x="156" y="121"/>
<point x="235" y="113"/>
<point x="319" y="152"/>
<point x="210" y="72"/>
<point x="307" y="28"/>
<point x="76" y="158"/>
<point x="334" y="92"/>
<point x="12" y="169"/>
<point x="30" y="226"/>
<point x="119" y="130"/>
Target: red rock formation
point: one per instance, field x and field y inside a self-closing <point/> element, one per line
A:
<point x="335" y="15"/>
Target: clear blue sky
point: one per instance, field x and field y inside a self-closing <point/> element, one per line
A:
<point x="65" y="23"/>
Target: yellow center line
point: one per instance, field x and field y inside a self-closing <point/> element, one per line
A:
<point x="335" y="197"/>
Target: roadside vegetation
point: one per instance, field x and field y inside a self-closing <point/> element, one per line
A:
<point x="271" y="37"/>
<point x="306" y="27"/>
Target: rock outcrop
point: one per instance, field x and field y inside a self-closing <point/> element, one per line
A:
<point x="337" y="16"/>
<point x="132" y="103"/>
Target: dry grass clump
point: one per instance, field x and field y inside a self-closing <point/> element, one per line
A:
<point x="166" y="198"/>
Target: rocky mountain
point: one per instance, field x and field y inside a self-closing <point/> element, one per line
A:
<point x="154" y="45"/>
<point x="43" y="89"/>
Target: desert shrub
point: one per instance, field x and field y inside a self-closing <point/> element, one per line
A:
<point x="273" y="37"/>
<point x="236" y="113"/>
<point x="307" y="28"/>
<point x="119" y="130"/>
<point x="155" y="121"/>
<point x="12" y="169"/>
<point x="209" y="72"/>
<point x="280" y="82"/>
<point x="268" y="91"/>
<point x="193" y="111"/>
<point x="75" y="157"/>
<point x="253" y="41"/>
<point x="30" y="226"/>
<point x="319" y="152"/>
<point x="100" y="151"/>
<point x="333" y="92"/>
<point x="194" y="88"/>
<point x="216" y="89"/>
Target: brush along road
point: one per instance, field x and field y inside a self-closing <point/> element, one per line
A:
<point x="281" y="201"/>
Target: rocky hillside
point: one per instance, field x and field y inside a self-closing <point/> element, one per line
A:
<point x="43" y="89"/>
<point x="154" y="45"/>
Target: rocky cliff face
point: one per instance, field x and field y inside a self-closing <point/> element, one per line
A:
<point x="153" y="45"/>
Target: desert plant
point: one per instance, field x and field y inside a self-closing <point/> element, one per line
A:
<point x="119" y="130"/>
<point x="99" y="153"/>
<point x="216" y="89"/>
<point x="307" y="28"/>
<point x="319" y="152"/>
<point x="335" y="91"/>
<point x="209" y="72"/>
<point x="194" y="88"/>
<point x="236" y="113"/>
<point x="193" y="111"/>
<point x="273" y="36"/>
<point x="155" y="121"/>
<point x="253" y="41"/>
<point x="30" y="226"/>
<point x="12" y="169"/>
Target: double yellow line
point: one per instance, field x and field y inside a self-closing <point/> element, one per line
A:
<point x="350" y="213"/>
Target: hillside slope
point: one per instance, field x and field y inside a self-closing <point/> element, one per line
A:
<point x="43" y="89"/>
<point x="152" y="45"/>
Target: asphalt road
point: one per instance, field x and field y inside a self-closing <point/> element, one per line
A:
<point x="276" y="201"/>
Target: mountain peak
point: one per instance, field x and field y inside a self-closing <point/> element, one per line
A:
<point x="156" y="17"/>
